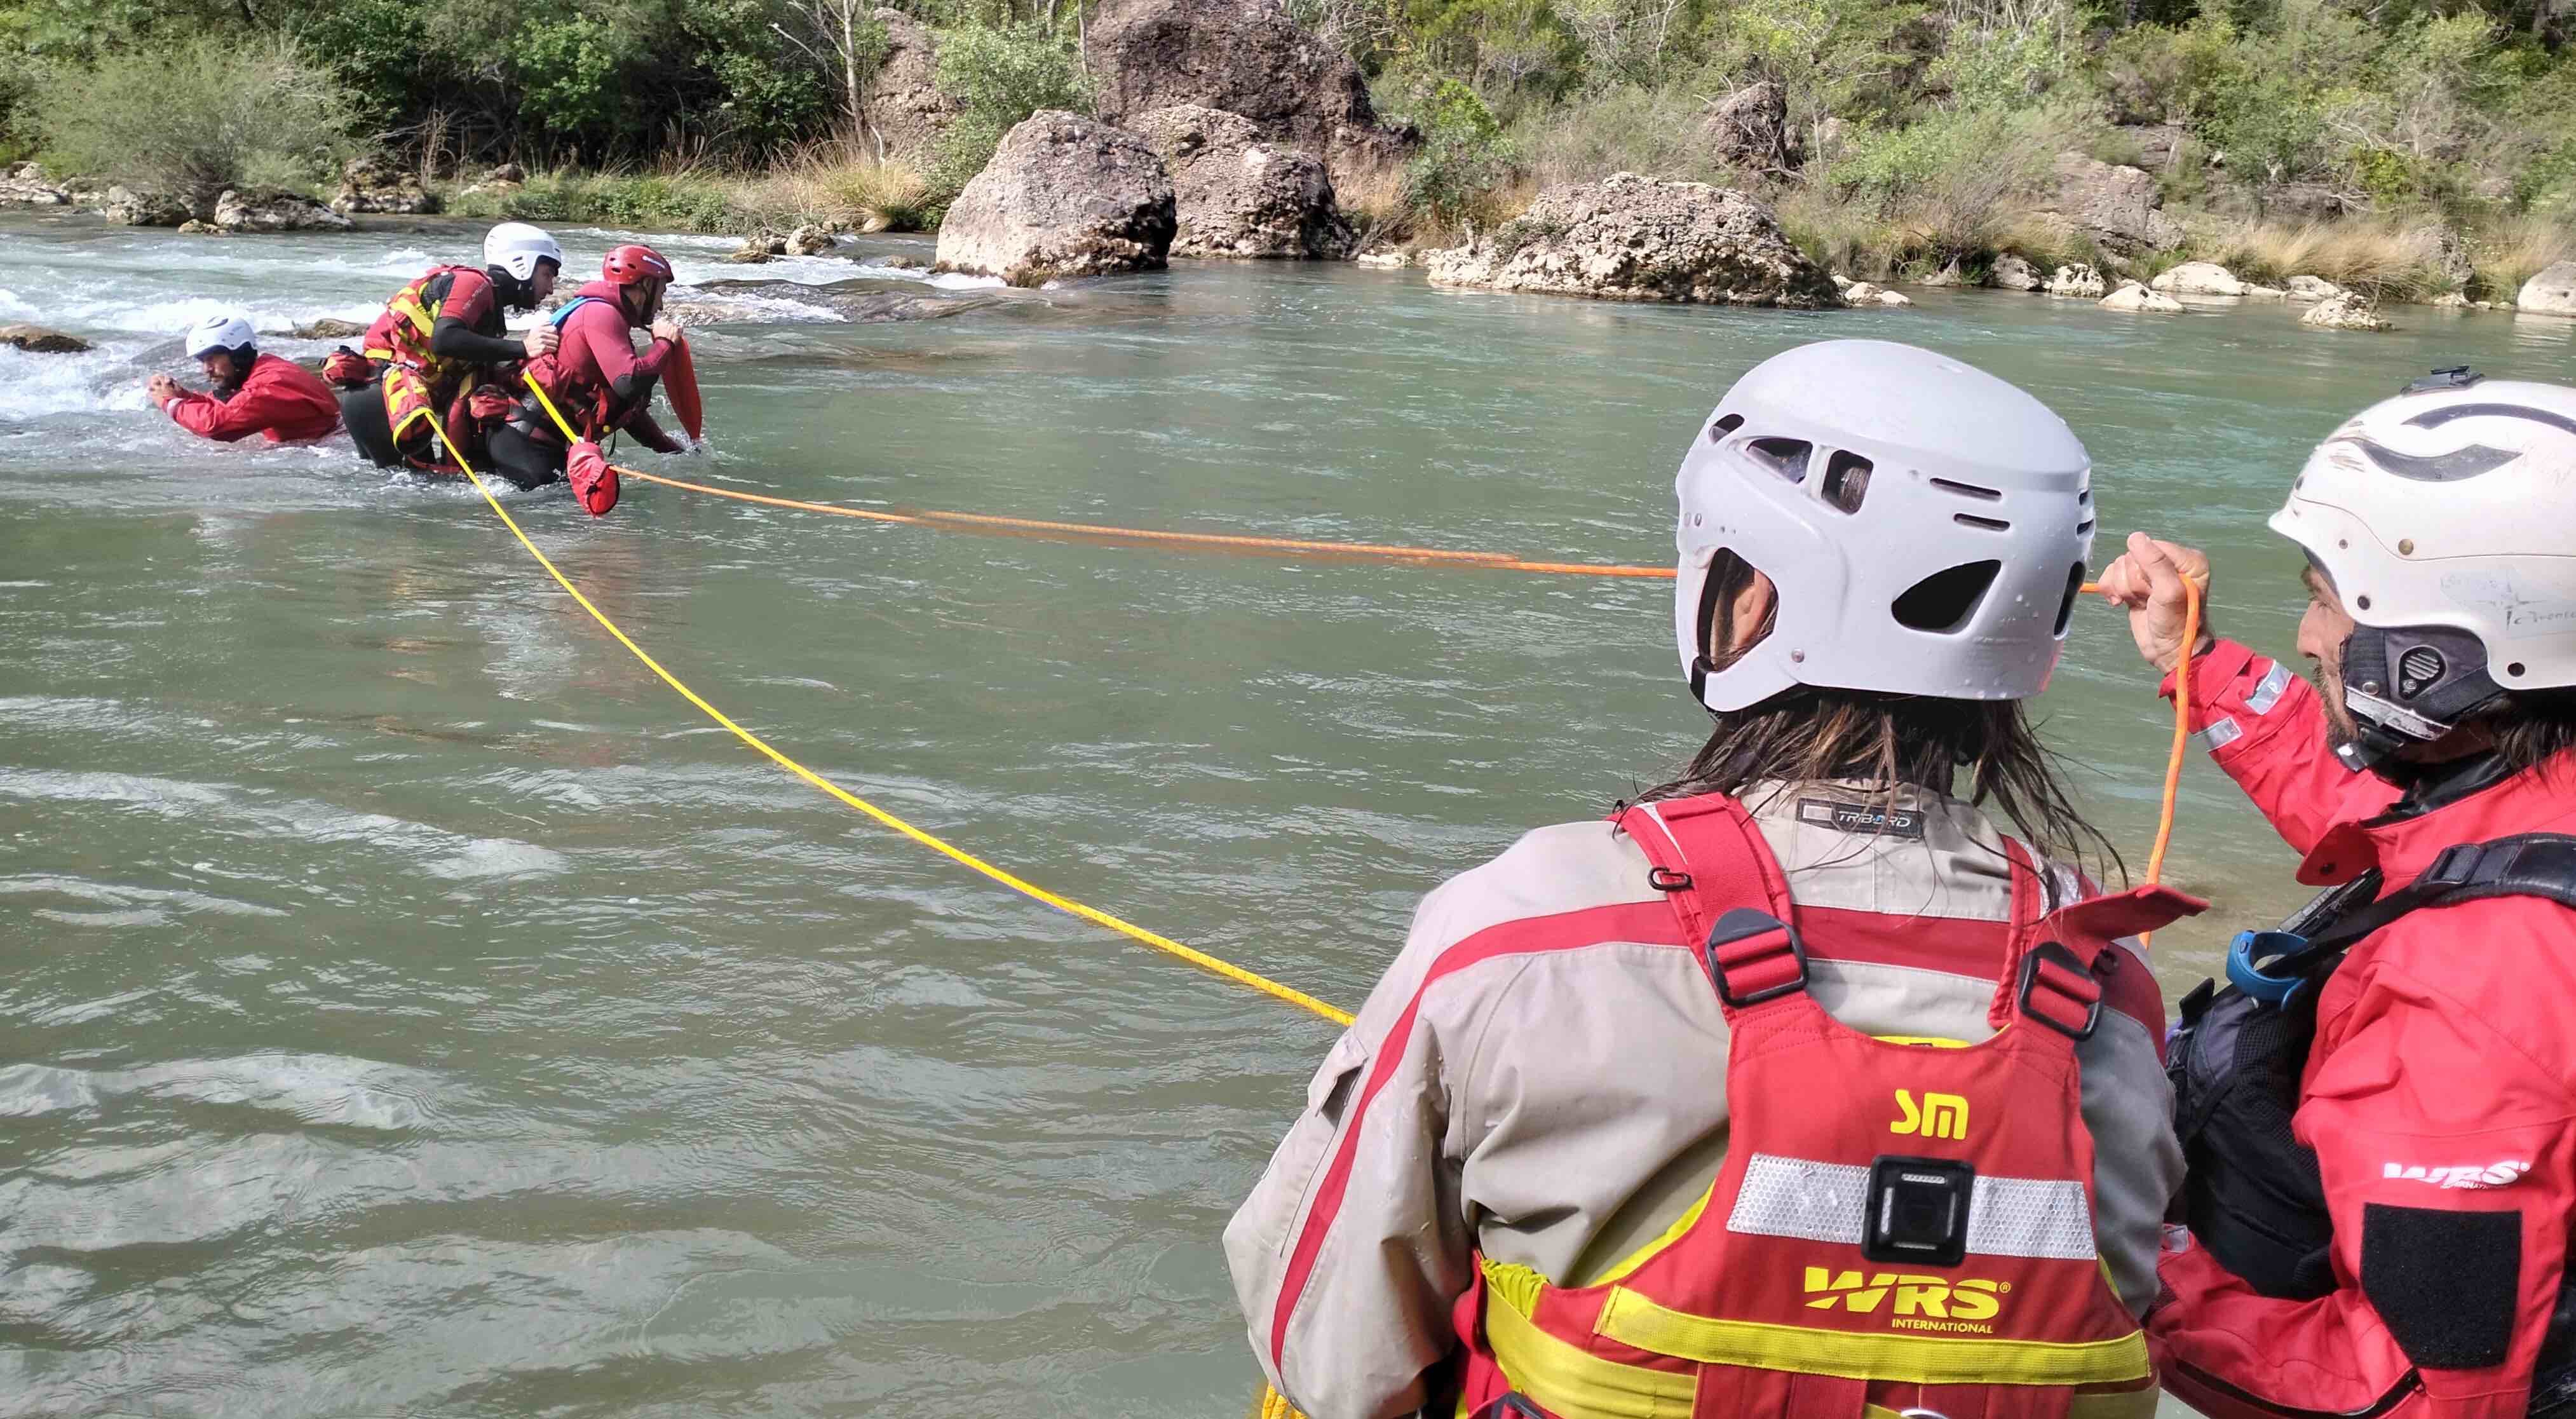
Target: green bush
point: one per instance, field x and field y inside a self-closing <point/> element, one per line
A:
<point x="1000" y="75"/>
<point x="196" y="117"/>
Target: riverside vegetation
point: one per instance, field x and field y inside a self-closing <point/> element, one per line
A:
<point x="2418" y="148"/>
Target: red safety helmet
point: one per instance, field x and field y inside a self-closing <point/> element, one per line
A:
<point x="629" y="264"/>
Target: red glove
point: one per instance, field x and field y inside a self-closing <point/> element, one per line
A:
<point x="348" y="369"/>
<point x="593" y="481"/>
<point x="488" y="404"/>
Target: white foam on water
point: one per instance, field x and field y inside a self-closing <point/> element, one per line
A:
<point x="959" y="281"/>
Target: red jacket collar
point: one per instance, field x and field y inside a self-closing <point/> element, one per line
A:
<point x="2537" y="800"/>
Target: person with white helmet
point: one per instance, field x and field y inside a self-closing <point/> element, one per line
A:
<point x="441" y="356"/>
<point x="252" y="394"/>
<point x="1797" y="1086"/>
<point x="2376" y="1108"/>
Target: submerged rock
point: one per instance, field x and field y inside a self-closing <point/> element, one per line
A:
<point x="37" y="340"/>
<point x="1064" y="195"/>
<point x="1634" y="238"/>
<point x="2013" y="273"/>
<point x="2078" y="280"/>
<point x="2135" y="296"/>
<point x="2199" y="278"/>
<point x="2551" y="292"/>
<point x="2349" y="311"/>
<point x="1234" y="195"/>
<point x="1246" y="57"/>
<point x="370" y="185"/>
<point x="272" y="209"/>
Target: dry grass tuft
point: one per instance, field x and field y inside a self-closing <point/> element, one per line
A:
<point x="833" y="182"/>
<point x="2390" y="259"/>
<point x="2517" y="249"/>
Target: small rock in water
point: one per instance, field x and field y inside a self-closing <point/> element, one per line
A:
<point x="2134" y="296"/>
<point x="1863" y="293"/>
<point x="2200" y="278"/>
<point x="2451" y="300"/>
<point x="327" y="329"/>
<point x="754" y="249"/>
<point x="2013" y="273"/>
<point x="193" y="227"/>
<point x="37" y="340"/>
<point x="274" y="210"/>
<point x="903" y="263"/>
<point x="809" y="240"/>
<point x="1949" y="275"/>
<point x="2349" y="311"/>
<point x="2313" y="288"/>
<point x="1381" y="258"/>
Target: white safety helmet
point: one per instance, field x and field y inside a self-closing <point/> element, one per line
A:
<point x="517" y="247"/>
<point x="1925" y="525"/>
<point x="225" y="330"/>
<point x="2446" y="519"/>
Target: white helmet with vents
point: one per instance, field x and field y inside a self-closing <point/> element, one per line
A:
<point x="1924" y="523"/>
<point x="517" y="247"/>
<point x="224" y="330"/>
<point x="2446" y="520"/>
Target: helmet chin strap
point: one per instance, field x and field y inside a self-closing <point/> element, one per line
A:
<point x="2410" y="686"/>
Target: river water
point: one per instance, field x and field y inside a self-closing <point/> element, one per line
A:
<point x="409" y="1005"/>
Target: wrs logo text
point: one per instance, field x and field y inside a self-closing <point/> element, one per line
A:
<point x="2503" y="1174"/>
<point x="1909" y="1302"/>
<point x="1938" y="1116"/>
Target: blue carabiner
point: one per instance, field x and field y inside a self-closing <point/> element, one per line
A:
<point x="2251" y="951"/>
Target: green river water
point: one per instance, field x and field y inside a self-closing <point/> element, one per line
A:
<point x="409" y="1005"/>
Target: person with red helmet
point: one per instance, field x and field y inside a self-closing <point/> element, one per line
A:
<point x="595" y="380"/>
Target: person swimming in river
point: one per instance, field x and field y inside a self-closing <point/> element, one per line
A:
<point x="594" y="383"/>
<point x="253" y="393"/>
<point x="440" y="358"/>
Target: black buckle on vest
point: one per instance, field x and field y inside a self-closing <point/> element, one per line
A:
<point x="1918" y="1210"/>
<point x="1665" y="879"/>
<point x="1747" y="943"/>
<point x="2037" y="980"/>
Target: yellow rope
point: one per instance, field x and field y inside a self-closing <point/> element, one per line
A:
<point x="937" y="844"/>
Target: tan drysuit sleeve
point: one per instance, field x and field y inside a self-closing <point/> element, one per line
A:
<point x="1386" y="1249"/>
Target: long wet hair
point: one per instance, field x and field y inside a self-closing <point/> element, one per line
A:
<point x="1809" y="734"/>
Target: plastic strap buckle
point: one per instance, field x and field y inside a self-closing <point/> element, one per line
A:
<point x="1748" y="952"/>
<point x="2058" y="974"/>
<point x="2269" y="966"/>
<point x="1665" y="879"/>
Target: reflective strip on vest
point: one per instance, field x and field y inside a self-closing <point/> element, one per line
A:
<point x="1827" y="1202"/>
<point x="1631" y="1319"/>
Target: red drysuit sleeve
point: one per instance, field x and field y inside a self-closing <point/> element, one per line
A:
<point x="2267" y="729"/>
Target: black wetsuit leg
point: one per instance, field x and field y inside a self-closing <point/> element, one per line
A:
<point x="362" y="412"/>
<point x="526" y="461"/>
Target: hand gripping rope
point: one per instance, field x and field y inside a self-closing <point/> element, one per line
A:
<point x="1270" y="1404"/>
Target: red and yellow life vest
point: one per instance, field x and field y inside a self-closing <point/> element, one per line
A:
<point x="416" y="381"/>
<point x="1899" y="1224"/>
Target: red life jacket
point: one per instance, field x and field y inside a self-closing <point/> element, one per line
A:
<point x="416" y="382"/>
<point x="1898" y="1223"/>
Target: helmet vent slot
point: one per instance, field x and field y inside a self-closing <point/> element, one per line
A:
<point x="2084" y="527"/>
<point x="2066" y="608"/>
<point x="1786" y="457"/>
<point x="1725" y="426"/>
<point x="1969" y="490"/>
<point x="1991" y="524"/>
<point x="1945" y="601"/>
<point x="1846" y="481"/>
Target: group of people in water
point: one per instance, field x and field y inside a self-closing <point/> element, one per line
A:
<point x="439" y="385"/>
<point x="1801" y="1086"/>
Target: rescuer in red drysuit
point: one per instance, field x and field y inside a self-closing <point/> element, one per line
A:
<point x="2382" y="1227"/>
<point x="253" y="393"/>
<point x="595" y="380"/>
<point x="1798" y="1087"/>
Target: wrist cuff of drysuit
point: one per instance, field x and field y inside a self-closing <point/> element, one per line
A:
<point x="2218" y="680"/>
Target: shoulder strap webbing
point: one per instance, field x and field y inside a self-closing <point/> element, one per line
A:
<point x="1727" y="891"/>
<point x="2523" y="865"/>
<point x="564" y="312"/>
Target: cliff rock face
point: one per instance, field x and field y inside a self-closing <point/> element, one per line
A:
<point x="1238" y="196"/>
<point x="1245" y="57"/>
<point x="1063" y="196"/>
<point x="905" y="109"/>
<point x="2116" y="206"/>
<point x="1631" y="238"/>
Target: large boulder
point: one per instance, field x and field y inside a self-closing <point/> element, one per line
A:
<point x="905" y="108"/>
<point x="370" y="185"/>
<point x="2013" y="273"/>
<point x="2552" y="292"/>
<point x="1246" y="57"/>
<point x="2079" y="281"/>
<point x="125" y="207"/>
<point x="37" y="340"/>
<point x="1632" y="238"/>
<point x="2349" y="311"/>
<point x="2116" y="206"/>
<point x="1750" y="129"/>
<point x="25" y="185"/>
<point x="272" y="209"/>
<point x="2199" y="278"/>
<point x="2133" y="296"/>
<point x="1064" y="195"/>
<point x="1238" y="196"/>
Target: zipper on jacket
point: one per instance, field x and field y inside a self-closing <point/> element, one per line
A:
<point x="2405" y="1389"/>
